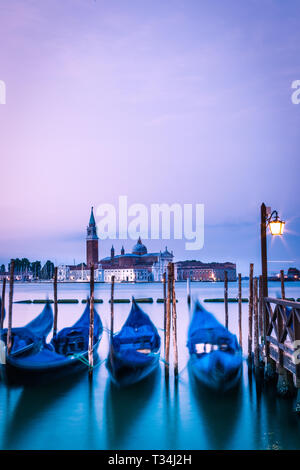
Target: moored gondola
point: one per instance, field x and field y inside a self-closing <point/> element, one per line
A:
<point x="31" y="336"/>
<point x="135" y="350"/>
<point x="67" y="353"/>
<point x="215" y="355"/>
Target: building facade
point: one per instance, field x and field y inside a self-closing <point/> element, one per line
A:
<point x="293" y="274"/>
<point x="198" y="271"/>
<point x="137" y="266"/>
<point x="77" y="273"/>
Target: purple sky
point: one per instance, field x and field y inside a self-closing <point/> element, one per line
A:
<point x="163" y="101"/>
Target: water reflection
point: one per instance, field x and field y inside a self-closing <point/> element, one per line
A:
<point x="218" y="412"/>
<point x="281" y="425"/>
<point x="30" y="407"/>
<point x="124" y="406"/>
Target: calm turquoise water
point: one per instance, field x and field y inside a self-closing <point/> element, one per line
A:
<point x="78" y="414"/>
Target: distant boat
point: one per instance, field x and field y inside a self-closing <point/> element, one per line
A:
<point x="67" y="353"/>
<point x="215" y="355"/>
<point x="135" y="350"/>
<point x="31" y="336"/>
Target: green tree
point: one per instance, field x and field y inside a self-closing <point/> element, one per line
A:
<point x="25" y="265"/>
<point x="35" y="269"/>
<point x="47" y="271"/>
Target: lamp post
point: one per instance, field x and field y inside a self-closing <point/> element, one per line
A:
<point x="276" y="227"/>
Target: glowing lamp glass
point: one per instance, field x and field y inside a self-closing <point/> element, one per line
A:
<point x="276" y="227"/>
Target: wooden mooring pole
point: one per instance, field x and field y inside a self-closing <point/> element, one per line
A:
<point x="263" y="240"/>
<point x="240" y="310"/>
<point x="112" y="293"/>
<point x="168" y="321"/>
<point x="250" y="314"/>
<point x="174" y="324"/>
<point x="260" y="303"/>
<point x="188" y="291"/>
<point x="10" y="304"/>
<point x="256" y="333"/>
<point x="226" y="297"/>
<point x="270" y="365"/>
<point x="3" y="303"/>
<point x="91" y="328"/>
<point x="164" y="279"/>
<point x="282" y="284"/>
<point x="55" y="302"/>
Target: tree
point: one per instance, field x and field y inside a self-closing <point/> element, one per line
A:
<point x="35" y="268"/>
<point x="25" y="265"/>
<point x="47" y="271"/>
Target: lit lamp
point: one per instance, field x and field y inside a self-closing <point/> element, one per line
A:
<point x="276" y="225"/>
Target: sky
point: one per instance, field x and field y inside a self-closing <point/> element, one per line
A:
<point x="164" y="101"/>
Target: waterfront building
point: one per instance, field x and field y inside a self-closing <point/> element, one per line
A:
<point x="293" y="274"/>
<point x="128" y="275"/>
<point x="198" y="271"/>
<point x="17" y="276"/>
<point x="78" y="273"/>
<point x="63" y="273"/>
<point x="137" y="266"/>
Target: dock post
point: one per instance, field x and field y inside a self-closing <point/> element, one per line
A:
<point x="240" y="310"/>
<point x="261" y="324"/>
<point x="10" y="304"/>
<point x="188" y="291"/>
<point x="260" y="312"/>
<point x="297" y="374"/>
<point x="165" y="306"/>
<point x="282" y="284"/>
<point x="168" y="321"/>
<point x="2" y="303"/>
<point x="112" y="290"/>
<point x="256" y="332"/>
<point x="270" y="374"/>
<point x="250" y="314"/>
<point x="55" y="302"/>
<point x="270" y="369"/>
<point x="285" y="387"/>
<point x="174" y="324"/>
<point x="91" y="328"/>
<point x="226" y="297"/>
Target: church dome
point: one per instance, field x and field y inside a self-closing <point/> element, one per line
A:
<point x="139" y="248"/>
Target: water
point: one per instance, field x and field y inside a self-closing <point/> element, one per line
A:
<point x="75" y="414"/>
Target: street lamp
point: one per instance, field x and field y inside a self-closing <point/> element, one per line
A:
<point x="276" y="227"/>
<point x="275" y="224"/>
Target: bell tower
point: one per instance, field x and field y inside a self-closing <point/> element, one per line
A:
<point x="92" y="242"/>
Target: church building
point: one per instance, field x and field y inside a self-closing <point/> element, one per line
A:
<point x="137" y="266"/>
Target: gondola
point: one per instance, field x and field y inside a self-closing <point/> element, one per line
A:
<point x="30" y="337"/>
<point x="215" y="355"/>
<point x="67" y="353"/>
<point x="135" y="350"/>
